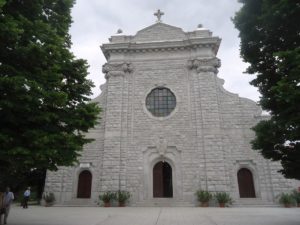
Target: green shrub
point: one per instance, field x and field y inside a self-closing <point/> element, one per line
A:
<point x="34" y="196"/>
<point x="286" y="198"/>
<point x="223" y="197"/>
<point x="107" y="196"/>
<point x="203" y="196"/>
<point x="123" y="196"/>
<point x="49" y="197"/>
<point x="296" y="195"/>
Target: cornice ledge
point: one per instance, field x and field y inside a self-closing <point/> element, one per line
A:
<point x="161" y="46"/>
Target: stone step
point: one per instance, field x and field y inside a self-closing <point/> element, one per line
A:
<point x="78" y="202"/>
<point x="163" y="202"/>
<point x="255" y="206"/>
<point x="167" y="202"/>
<point x="254" y="202"/>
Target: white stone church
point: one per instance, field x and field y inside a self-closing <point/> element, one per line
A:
<point x="169" y="128"/>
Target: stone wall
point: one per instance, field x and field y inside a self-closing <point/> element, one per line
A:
<point x="206" y="139"/>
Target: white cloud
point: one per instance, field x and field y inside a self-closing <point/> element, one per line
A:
<point x="96" y="20"/>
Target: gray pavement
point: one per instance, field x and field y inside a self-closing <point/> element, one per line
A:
<point x="38" y="215"/>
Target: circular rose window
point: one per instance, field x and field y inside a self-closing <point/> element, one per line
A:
<point x="160" y="102"/>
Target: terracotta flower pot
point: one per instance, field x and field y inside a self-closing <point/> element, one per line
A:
<point x="204" y="204"/>
<point x="48" y="204"/>
<point x="221" y="205"/>
<point x="121" y="204"/>
<point x="106" y="204"/>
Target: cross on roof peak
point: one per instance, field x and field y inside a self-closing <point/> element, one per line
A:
<point x="158" y="14"/>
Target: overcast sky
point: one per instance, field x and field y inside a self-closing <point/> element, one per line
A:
<point x="96" y="20"/>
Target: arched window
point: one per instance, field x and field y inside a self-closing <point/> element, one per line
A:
<point x="84" y="184"/>
<point x="246" y="184"/>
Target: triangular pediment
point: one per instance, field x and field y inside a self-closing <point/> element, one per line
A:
<point x="159" y="32"/>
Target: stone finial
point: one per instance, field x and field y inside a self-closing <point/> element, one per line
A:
<point x="158" y="14"/>
<point x="200" y="27"/>
<point x="119" y="31"/>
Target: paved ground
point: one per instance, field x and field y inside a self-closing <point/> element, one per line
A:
<point x="37" y="215"/>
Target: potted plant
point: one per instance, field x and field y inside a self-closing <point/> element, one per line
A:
<point x="106" y="197"/>
<point x="49" y="198"/>
<point x="286" y="199"/>
<point x="296" y="195"/>
<point x="203" y="197"/>
<point x="122" y="197"/>
<point x="223" y="198"/>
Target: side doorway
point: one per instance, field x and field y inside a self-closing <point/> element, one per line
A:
<point x="84" y="184"/>
<point x="246" y="184"/>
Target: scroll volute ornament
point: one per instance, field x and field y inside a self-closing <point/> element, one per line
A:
<point x="116" y="69"/>
<point x="204" y="65"/>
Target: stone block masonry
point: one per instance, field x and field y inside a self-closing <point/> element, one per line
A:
<point x="205" y="139"/>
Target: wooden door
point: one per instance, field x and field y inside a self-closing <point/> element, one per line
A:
<point x="84" y="184"/>
<point x="167" y="180"/>
<point x="158" y="188"/>
<point x="162" y="180"/>
<point x="246" y="184"/>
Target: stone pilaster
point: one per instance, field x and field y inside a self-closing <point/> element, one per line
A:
<point x="209" y="134"/>
<point x="111" y="171"/>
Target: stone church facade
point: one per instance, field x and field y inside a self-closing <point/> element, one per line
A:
<point x="169" y="128"/>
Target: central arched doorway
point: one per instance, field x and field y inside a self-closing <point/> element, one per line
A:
<point x="246" y="184"/>
<point x="162" y="180"/>
<point x="84" y="184"/>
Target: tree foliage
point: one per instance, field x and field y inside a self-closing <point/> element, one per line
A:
<point x="270" y="43"/>
<point x="44" y="108"/>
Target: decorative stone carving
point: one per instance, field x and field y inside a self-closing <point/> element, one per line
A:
<point x="85" y="165"/>
<point x="161" y="146"/>
<point x="127" y="67"/>
<point x="117" y="69"/>
<point x="190" y="64"/>
<point x="204" y="65"/>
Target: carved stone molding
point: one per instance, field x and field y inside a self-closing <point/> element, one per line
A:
<point x="162" y="149"/>
<point x="171" y="46"/>
<point x="116" y="69"/>
<point x="204" y="65"/>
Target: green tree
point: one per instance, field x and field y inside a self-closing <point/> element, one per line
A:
<point x="270" y="43"/>
<point x="44" y="103"/>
